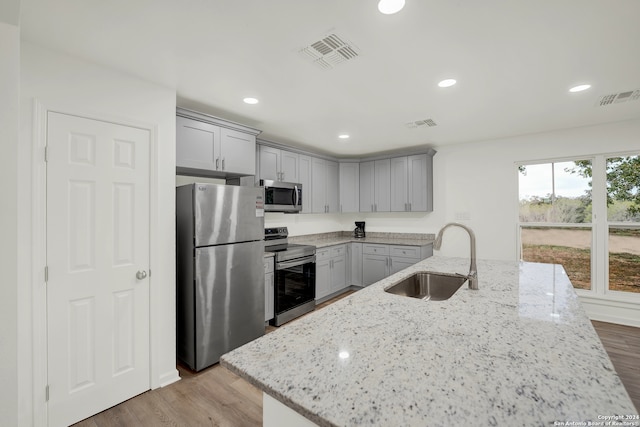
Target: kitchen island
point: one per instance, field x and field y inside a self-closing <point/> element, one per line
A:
<point x="518" y="351"/>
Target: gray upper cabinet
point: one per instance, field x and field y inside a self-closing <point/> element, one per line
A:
<point x="278" y="165"/>
<point x="209" y="146"/>
<point x="420" y="182"/>
<point x="411" y="183"/>
<point x="318" y="186"/>
<point x="289" y="166"/>
<point x="333" y="190"/>
<point x="237" y="152"/>
<point x="304" y="178"/>
<point x="269" y="163"/>
<point x="198" y="144"/>
<point x="349" y="177"/>
<point x="398" y="184"/>
<point x="324" y="186"/>
<point x="375" y="186"/>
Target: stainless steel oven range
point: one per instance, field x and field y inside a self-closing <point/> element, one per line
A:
<point x="295" y="275"/>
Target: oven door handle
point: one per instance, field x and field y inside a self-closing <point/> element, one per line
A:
<point x="295" y="263"/>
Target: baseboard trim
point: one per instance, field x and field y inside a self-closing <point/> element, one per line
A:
<point x="169" y="378"/>
<point x="622" y="313"/>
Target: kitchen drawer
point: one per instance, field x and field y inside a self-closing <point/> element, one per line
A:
<point x="405" y="251"/>
<point x="371" y="249"/>
<point x="323" y="254"/>
<point x="268" y="265"/>
<point x="339" y="250"/>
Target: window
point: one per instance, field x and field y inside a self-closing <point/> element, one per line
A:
<point x="623" y="223"/>
<point x="565" y="207"/>
<point x="555" y="217"/>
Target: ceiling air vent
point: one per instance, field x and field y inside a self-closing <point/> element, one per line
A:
<point x="420" y="123"/>
<point x="330" y="51"/>
<point x="617" y="98"/>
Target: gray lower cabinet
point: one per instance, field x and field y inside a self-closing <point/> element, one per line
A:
<point x="396" y="264"/>
<point x="331" y="270"/>
<point x="380" y="261"/>
<point x="269" y="289"/>
<point x="338" y="267"/>
<point x="374" y="268"/>
<point x="355" y="260"/>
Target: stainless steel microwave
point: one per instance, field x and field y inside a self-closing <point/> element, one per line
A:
<point x="282" y="196"/>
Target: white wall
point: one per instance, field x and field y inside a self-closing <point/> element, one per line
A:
<point x="70" y="85"/>
<point x="478" y="179"/>
<point x="9" y="134"/>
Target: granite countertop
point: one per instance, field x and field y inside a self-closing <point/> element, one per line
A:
<point x="337" y="238"/>
<point x="518" y="351"/>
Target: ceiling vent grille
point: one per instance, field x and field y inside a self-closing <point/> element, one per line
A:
<point x="421" y="123"/>
<point x="330" y="51"/>
<point x="617" y="98"/>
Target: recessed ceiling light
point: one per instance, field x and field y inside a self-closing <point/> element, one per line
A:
<point x="389" y="7"/>
<point x="447" y="83"/>
<point x="579" y="88"/>
<point x="250" y="101"/>
<point x="343" y="136"/>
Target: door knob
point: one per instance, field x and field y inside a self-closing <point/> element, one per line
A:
<point x="141" y="274"/>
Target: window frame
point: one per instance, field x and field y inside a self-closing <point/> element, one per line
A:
<point x="599" y="225"/>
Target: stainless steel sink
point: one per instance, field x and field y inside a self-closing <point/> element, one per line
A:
<point x="427" y="286"/>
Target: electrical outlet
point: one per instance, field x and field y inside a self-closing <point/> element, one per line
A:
<point x="463" y="216"/>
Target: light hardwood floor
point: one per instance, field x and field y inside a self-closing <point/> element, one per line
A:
<point x="216" y="397"/>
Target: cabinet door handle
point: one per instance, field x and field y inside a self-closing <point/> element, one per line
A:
<point x="222" y="163"/>
<point x="218" y="163"/>
<point x="409" y="207"/>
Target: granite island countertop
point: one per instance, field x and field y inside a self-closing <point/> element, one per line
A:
<point x="518" y="351"/>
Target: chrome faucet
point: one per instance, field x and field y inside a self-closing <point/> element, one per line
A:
<point x="473" y="269"/>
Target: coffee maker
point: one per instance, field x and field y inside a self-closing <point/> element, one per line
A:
<point x="358" y="232"/>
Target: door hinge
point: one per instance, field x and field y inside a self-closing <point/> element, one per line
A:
<point x="46" y="393"/>
<point x="46" y="273"/>
<point x="46" y="154"/>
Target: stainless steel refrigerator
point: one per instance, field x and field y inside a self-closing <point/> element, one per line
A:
<point x="219" y="269"/>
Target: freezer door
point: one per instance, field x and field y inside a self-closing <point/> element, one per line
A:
<point x="229" y="299"/>
<point x="228" y="214"/>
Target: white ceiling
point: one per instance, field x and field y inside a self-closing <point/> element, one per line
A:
<point x="514" y="61"/>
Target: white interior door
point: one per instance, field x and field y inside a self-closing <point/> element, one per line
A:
<point x="98" y="260"/>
